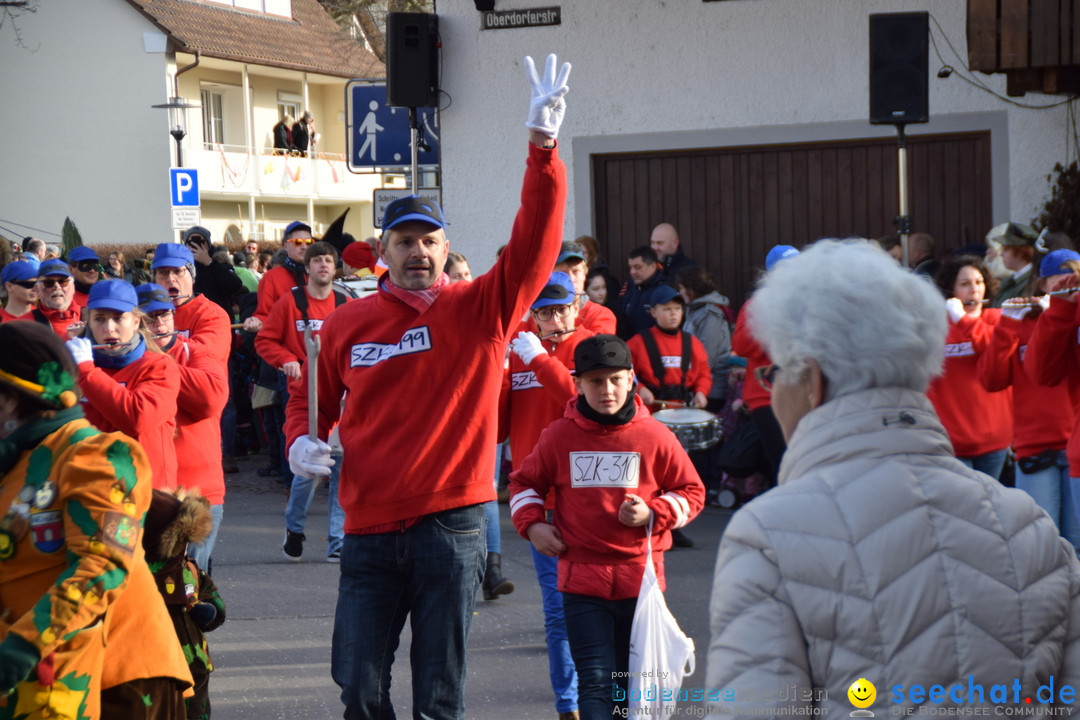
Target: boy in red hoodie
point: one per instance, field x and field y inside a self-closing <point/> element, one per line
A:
<point x="612" y="468"/>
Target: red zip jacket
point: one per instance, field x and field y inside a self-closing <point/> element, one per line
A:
<point x="204" y="322"/>
<point x="978" y="421"/>
<point x="1053" y="355"/>
<point x="140" y="401"/>
<point x="61" y="321"/>
<point x="537" y="392"/>
<point x="591" y="468"/>
<point x="744" y="345"/>
<point x="597" y="318"/>
<point x="420" y="417"/>
<point x="1043" y="416"/>
<point x="698" y="375"/>
<point x="277" y="281"/>
<point x="204" y="390"/>
<point x="281" y="338"/>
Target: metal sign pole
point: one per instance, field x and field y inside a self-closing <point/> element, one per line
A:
<point x="903" y="221"/>
<point x="414" y="131"/>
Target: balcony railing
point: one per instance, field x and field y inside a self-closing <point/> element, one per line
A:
<point x="226" y="170"/>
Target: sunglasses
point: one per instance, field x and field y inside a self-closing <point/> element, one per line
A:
<point x="86" y="265"/>
<point x="53" y="282"/>
<point x="300" y="241"/>
<point x="28" y="284"/>
<point x="160" y="315"/>
<point x="766" y="374"/>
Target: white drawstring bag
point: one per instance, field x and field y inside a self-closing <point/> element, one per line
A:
<point x="661" y="654"/>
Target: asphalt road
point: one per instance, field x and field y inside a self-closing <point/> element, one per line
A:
<point x="273" y="653"/>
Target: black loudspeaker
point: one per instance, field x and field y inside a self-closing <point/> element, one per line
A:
<point x="899" y="68"/>
<point x="412" y="60"/>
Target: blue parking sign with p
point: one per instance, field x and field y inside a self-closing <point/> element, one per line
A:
<point x="184" y="184"/>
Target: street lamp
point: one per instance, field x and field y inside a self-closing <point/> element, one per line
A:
<point x="177" y="107"/>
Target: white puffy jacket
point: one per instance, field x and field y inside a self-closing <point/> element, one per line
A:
<point x="880" y="556"/>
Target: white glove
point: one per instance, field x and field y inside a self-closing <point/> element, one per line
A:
<point x="1044" y="302"/>
<point x="527" y="347"/>
<point x="81" y="349"/>
<point x="955" y="308"/>
<point x="1016" y="311"/>
<point x="547" y="106"/>
<point x="310" y="459"/>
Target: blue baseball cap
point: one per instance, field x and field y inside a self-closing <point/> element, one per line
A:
<point x="117" y="295"/>
<point x="778" y="253"/>
<point x="412" y="207"/>
<point x="664" y="294"/>
<point x="290" y="229"/>
<point x="153" y="298"/>
<point x="82" y="253"/>
<point x="18" y="271"/>
<point x="55" y="266"/>
<point x="558" y="291"/>
<point x="1053" y="262"/>
<point x="172" y="255"/>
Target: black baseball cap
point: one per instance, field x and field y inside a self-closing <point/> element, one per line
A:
<point x="601" y="352"/>
<point x="412" y="207"/>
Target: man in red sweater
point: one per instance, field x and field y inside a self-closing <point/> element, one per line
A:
<point x="281" y="344"/>
<point x="56" y="298"/>
<point x="280" y="279"/>
<point x="414" y="523"/>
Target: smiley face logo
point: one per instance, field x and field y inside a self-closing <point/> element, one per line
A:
<point x="862" y="693"/>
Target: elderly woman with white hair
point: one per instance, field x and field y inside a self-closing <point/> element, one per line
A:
<point x="880" y="557"/>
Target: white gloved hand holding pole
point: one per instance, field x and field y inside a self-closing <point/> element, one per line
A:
<point x="547" y="106"/>
<point x="955" y="308"/>
<point x="527" y="347"/>
<point x="1015" y="310"/>
<point x="310" y="458"/>
<point x="81" y="350"/>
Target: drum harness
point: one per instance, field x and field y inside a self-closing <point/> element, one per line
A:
<point x="670" y="391"/>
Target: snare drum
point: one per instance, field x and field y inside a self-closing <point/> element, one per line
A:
<point x="695" y="429"/>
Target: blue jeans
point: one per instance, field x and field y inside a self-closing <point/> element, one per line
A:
<point x="200" y="552"/>
<point x="300" y="502"/>
<point x="599" y="633"/>
<point x="430" y="572"/>
<point x="564" y="679"/>
<point x="989" y="463"/>
<point x="1056" y="493"/>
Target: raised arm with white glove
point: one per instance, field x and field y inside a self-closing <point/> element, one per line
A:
<point x="309" y="458"/>
<point x="527" y="347"/>
<point x="547" y="106"/>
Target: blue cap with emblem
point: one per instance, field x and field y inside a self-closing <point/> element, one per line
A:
<point x="412" y="207"/>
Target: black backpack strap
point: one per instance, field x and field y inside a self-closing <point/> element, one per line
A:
<point x="340" y="298"/>
<point x="685" y="363"/>
<point x="300" y="297"/>
<point x="654" y="359"/>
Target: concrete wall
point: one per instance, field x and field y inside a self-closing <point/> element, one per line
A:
<point x="652" y="74"/>
<point x="79" y="123"/>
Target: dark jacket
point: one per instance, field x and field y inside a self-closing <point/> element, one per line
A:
<point x="634" y="304"/>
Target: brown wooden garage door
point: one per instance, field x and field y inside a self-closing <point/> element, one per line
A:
<point x="731" y="205"/>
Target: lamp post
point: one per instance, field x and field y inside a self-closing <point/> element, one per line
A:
<point x="177" y="107"/>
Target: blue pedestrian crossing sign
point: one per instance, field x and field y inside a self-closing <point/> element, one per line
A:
<point x="184" y="185"/>
<point x="378" y="135"/>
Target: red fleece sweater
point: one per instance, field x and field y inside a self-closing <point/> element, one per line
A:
<point x="277" y="281"/>
<point x="421" y="411"/>
<point x="204" y="322"/>
<point x="597" y="318"/>
<point x="281" y="338"/>
<point x="204" y="390"/>
<point x="698" y="375"/>
<point x="61" y="321"/>
<point x="744" y="345"/>
<point x="591" y="467"/>
<point x="1043" y="416"/>
<point x="140" y="401"/>
<point x="1053" y="356"/>
<point x="978" y="421"/>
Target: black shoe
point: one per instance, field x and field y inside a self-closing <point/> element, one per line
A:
<point x="679" y="539"/>
<point x="293" y="547"/>
<point x="494" y="583"/>
<point x="268" y="472"/>
<point x="228" y="465"/>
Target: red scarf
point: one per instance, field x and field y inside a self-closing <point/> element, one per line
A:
<point x="419" y="300"/>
